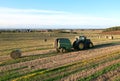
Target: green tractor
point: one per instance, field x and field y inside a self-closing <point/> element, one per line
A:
<point x="81" y="43"/>
<point x="63" y="44"/>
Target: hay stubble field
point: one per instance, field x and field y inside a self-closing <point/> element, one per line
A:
<point x="40" y="61"/>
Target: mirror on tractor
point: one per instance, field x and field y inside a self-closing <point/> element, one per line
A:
<point x="80" y="38"/>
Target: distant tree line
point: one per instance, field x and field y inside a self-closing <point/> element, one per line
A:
<point x="112" y="29"/>
<point x="25" y="30"/>
<point x="38" y="30"/>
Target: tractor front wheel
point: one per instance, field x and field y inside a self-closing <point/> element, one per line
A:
<point x="81" y="46"/>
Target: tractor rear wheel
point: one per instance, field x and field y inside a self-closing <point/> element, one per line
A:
<point x="81" y="46"/>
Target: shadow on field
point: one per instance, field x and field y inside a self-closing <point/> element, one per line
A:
<point x="49" y="54"/>
<point x="106" y="45"/>
<point x="100" y="46"/>
<point x="40" y="55"/>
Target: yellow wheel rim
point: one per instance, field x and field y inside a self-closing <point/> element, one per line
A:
<point x="81" y="45"/>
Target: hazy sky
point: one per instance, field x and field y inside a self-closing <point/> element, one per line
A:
<point x="53" y="13"/>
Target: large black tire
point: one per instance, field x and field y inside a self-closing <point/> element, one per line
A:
<point x="81" y="46"/>
<point x="63" y="50"/>
<point x="15" y="54"/>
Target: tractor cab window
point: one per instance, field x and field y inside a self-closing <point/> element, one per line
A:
<point x="82" y="38"/>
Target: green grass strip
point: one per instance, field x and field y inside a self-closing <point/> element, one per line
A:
<point x="91" y="65"/>
<point x="99" y="73"/>
<point x="41" y="72"/>
<point x="117" y="79"/>
<point x="10" y="74"/>
<point x="59" y="69"/>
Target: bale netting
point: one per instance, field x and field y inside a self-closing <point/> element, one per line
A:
<point x="15" y="54"/>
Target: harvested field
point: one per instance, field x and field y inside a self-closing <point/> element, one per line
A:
<point x="40" y="61"/>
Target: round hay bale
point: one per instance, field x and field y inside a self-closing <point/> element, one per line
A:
<point x="111" y="37"/>
<point x="45" y="40"/>
<point x="99" y="37"/>
<point x="106" y="37"/>
<point x="15" y="54"/>
<point x="31" y="67"/>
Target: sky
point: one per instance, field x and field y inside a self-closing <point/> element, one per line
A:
<point x="53" y="14"/>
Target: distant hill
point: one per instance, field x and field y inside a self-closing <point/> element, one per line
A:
<point x="112" y="30"/>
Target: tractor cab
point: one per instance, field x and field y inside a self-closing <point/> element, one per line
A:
<point x="82" y="38"/>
